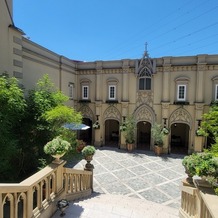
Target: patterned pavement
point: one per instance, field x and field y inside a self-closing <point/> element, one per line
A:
<point x="139" y="174"/>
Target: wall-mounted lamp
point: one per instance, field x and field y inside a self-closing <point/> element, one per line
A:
<point x="124" y="118"/>
<point x="97" y="117"/>
<point x="165" y="122"/>
<point x="199" y="123"/>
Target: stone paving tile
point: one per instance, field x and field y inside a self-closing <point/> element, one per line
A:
<point x="117" y="188"/>
<point x="169" y="174"/>
<point x="105" y="178"/>
<point x="139" y="170"/>
<point x="153" y="179"/>
<point x="137" y="184"/>
<point x="128" y="163"/>
<point x="124" y="174"/>
<point x="154" y="195"/>
<point x="154" y="166"/>
<point x="112" y="166"/>
<point x="170" y="189"/>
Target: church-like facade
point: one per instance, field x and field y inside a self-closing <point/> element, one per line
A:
<point x="172" y="91"/>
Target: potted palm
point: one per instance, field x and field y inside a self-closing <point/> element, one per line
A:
<point x="57" y="148"/>
<point x="157" y="134"/>
<point x="128" y="127"/>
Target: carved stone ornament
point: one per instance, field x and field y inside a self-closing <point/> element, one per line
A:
<point x="144" y="97"/>
<point x="112" y="113"/>
<point x="181" y="116"/>
<point x="144" y="113"/>
<point x="146" y="66"/>
<point x="87" y="112"/>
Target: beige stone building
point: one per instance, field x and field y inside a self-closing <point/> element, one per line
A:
<point x="172" y="91"/>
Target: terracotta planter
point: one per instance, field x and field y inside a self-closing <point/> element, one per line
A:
<point x="158" y="150"/>
<point x="130" y="147"/>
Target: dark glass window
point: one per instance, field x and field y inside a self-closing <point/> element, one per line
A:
<point x="145" y="84"/>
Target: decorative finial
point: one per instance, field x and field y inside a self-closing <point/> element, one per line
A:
<point x="146" y="47"/>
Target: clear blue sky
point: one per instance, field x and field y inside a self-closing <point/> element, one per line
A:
<point x="90" y="30"/>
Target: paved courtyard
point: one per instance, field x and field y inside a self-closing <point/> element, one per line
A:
<point x="139" y="174"/>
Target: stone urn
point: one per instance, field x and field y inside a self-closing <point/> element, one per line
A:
<point x="57" y="157"/>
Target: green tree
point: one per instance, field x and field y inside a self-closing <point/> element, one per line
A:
<point x="12" y="110"/>
<point x="209" y="125"/>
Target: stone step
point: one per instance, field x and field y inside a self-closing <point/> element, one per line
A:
<point x="117" y="206"/>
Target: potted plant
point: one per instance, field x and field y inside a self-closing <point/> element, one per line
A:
<point x="157" y="134"/>
<point x="57" y="148"/>
<point x="96" y="125"/>
<point x="80" y="145"/>
<point x="88" y="152"/>
<point x="128" y="127"/>
<point x="202" y="164"/>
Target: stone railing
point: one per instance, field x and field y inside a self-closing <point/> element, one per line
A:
<point x="37" y="196"/>
<point x="198" y="200"/>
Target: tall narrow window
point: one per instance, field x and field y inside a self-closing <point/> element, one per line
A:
<point x="70" y="90"/>
<point x="144" y="83"/>
<point x="181" y="93"/>
<point x="85" y="92"/>
<point x="112" y="92"/>
<point x="216" y="92"/>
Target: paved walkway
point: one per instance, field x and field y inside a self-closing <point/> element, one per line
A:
<point x="126" y="178"/>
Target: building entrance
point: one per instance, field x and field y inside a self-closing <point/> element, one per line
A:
<point x="143" y="135"/>
<point x="179" y="138"/>
<point x="112" y="133"/>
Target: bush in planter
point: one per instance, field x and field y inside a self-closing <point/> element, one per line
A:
<point x="157" y="134"/>
<point x="129" y="130"/>
<point x="57" y="146"/>
<point x="88" y="150"/>
<point x="190" y="162"/>
<point x="201" y="164"/>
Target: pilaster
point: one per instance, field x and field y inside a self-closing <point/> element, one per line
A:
<point x="166" y="79"/>
<point x="201" y="68"/>
<point x="125" y="80"/>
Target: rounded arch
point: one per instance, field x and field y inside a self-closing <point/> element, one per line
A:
<point x="182" y="116"/>
<point x="144" y="113"/>
<point x="112" y="113"/>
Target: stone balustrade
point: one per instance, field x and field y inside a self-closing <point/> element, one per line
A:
<point x="198" y="200"/>
<point x="38" y="195"/>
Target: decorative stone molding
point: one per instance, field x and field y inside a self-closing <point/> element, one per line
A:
<point x="144" y="97"/>
<point x="87" y="112"/>
<point x="199" y="106"/>
<point x="182" y="116"/>
<point x="165" y="105"/>
<point x="112" y="113"/>
<point x="167" y="68"/>
<point x="201" y="67"/>
<point x="144" y="113"/>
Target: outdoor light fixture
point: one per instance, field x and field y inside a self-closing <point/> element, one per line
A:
<point x="62" y="205"/>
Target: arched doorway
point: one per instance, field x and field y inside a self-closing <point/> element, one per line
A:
<point x="86" y="135"/>
<point x="179" y="138"/>
<point x="112" y="133"/>
<point x="143" y="135"/>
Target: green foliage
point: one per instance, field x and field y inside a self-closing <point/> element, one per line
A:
<point x="12" y="110"/>
<point x="57" y="146"/>
<point x="62" y="114"/>
<point x="26" y="125"/>
<point x="88" y="150"/>
<point x="202" y="164"/>
<point x="157" y="134"/>
<point x="129" y="130"/>
<point x="210" y="123"/>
